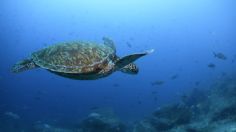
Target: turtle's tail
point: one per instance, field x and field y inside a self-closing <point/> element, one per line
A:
<point x="23" y="65"/>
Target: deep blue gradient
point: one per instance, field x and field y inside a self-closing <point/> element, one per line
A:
<point x="184" y="34"/>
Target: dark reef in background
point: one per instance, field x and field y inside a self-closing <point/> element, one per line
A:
<point x="200" y="111"/>
<point x="97" y="122"/>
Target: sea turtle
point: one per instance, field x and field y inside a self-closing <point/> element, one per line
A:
<point x="81" y="60"/>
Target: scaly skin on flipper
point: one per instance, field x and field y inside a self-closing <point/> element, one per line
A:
<point x="131" y="68"/>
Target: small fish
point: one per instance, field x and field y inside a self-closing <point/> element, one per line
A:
<point x="197" y="83"/>
<point x="220" y="56"/>
<point x="155" y="99"/>
<point x="174" y="76"/>
<point x="45" y="44"/>
<point x="128" y="44"/>
<point x="223" y="74"/>
<point x="53" y="39"/>
<point x="40" y="92"/>
<point x="157" y="83"/>
<point x="211" y="65"/>
<point x="131" y="38"/>
<point x="71" y="33"/>
<point x="116" y="85"/>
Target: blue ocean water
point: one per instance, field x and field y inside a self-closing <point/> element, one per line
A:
<point x="185" y="35"/>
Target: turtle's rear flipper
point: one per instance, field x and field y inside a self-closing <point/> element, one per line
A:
<point x="23" y="65"/>
<point x="131" y="58"/>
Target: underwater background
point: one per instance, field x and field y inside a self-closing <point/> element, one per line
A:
<point x="195" y="54"/>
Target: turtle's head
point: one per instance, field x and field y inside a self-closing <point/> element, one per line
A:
<point x="130" y="69"/>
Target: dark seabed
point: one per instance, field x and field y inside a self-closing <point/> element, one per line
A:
<point x="188" y="84"/>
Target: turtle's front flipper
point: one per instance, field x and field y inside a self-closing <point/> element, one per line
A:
<point x="23" y="65"/>
<point x="130" y="58"/>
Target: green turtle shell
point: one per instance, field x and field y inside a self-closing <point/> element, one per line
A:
<point x="74" y="57"/>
